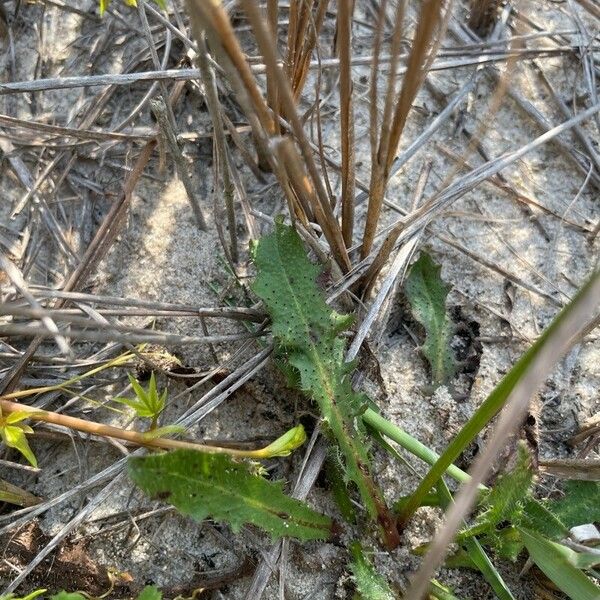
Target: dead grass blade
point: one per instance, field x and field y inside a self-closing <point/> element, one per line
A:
<point x="427" y="38"/>
<point x="344" y="45"/>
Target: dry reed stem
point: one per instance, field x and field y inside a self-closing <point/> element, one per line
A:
<point x="331" y="229"/>
<point x="422" y="52"/>
<point x="344" y="42"/>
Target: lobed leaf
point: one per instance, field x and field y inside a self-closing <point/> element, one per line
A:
<point x="426" y="293"/>
<point x="306" y="332"/>
<point x="213" y="485"/>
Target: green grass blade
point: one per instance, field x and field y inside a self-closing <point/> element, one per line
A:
<point x="558" y="569"/>
<point x="490" y="407"/>
<point x="477" y="554"/>
<point x="203" y="485"/>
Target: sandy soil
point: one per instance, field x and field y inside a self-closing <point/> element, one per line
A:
<point x="161" y="255"/>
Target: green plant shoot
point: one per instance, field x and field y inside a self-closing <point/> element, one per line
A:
<point x="13" y="433"/>
<point x="307" y="336"/>
<point x="146" y="404"/>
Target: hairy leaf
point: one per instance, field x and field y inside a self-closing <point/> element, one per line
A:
<point x="306" y="331"/>
<point x="504" y="502"/>
<point x="580" y="505"/>
<point x="427" y="293"/>
<point x="203" y="485"/>
<point x="369" y="583"/>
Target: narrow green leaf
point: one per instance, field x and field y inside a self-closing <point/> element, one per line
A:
<point x="30" y="596"/>
<point x="441" y="592"/>
<point x="369" y="583"/>
<point x="139" y="390"/>
<point x="18" y="415"/>
<point x="306" y="331"/>
<point x="68" y="596"/>
<point x="551" y="560"/>
<point x="150" y="592"/>
<point x="476" y="552"/>
<point x="203" y="485"/>
<point x="426" y="293"/>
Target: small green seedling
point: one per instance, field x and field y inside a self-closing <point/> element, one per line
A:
<point x="147" y="404"/>
<point x="13" y="433"/>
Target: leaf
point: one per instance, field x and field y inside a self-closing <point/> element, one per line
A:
<point x="30" y="596"/>
<point x="369" y="583"/>
<point x="426" y="294"/>
<point x="15" y="495"/>
<point x="203" y="485"/>
<point x="580" y="505"/>
<point x="538" y="517"/>
<point x="68" y="596"/>
<point x="14" y="437"/>
<point x="150" y="592"/>
<point x="306" y="331"/>
<point x="504" y="502"/>
<point x="441" y="592"/>
<point x="17" y="416"/>
<point x="496" y="399"/>
<point x="146" y="403"/>
<point x="476" y="552"/>
<point x="551" y="560"/>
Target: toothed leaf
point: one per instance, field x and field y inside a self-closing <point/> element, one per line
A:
<point x="504" y="502"/>
<point x="213" y="485"/>
<point x="580" y="505"/>
<point x="369" y="583"/>
<point x="426" y="293"/>
<point x="306" y="331"/>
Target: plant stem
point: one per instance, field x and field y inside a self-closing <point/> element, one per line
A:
<point x="398" y="435"/>
<point x="134" y="437"/>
